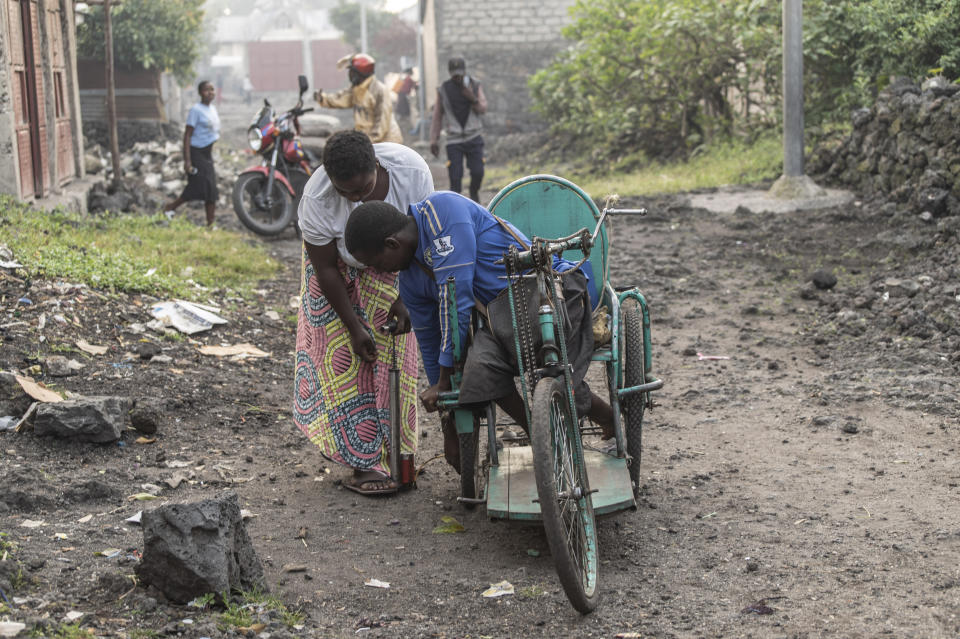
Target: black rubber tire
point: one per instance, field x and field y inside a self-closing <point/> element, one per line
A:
<point x="471" y="464"/>
<point x="262" y="222"/>
<point x="568" y="522"/>
<point x="634" y="375"/>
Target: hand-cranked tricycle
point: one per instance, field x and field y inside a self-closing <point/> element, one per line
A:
<point x="556" y="478"/>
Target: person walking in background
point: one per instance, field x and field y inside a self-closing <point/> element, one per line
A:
<point x="199" y="134"/>
<point x="459" y="105"/>
<point x="403" y="87"/>
<point x="247" y="89"/>
<point x="341" y="393"/>
<point x="368" y="97"/>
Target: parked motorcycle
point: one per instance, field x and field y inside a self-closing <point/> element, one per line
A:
<point x="266" y="196"/>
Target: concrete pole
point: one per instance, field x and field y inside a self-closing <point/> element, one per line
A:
<point x="793" y="184"/>
<point x="111" y="94"/>
<point x="363" y="27"/>
<point x="793" y="88"/>
<point x="422" y="86"/>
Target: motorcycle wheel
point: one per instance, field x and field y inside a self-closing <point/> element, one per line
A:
<point x="248" y="195"/>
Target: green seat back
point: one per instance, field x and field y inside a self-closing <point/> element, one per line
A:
<point x="551" y="207"/>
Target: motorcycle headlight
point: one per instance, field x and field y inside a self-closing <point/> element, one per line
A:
<point x="254" y="139"/>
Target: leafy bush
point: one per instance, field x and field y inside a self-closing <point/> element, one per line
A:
<point x="663" y="75"/>
<point x="666" y="76"/>
<point x="853" y="48"/>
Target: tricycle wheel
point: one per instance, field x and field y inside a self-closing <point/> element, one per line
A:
<point x="473" y="465"/>
<point x="634" y="375"/>
<point x="564" y="492"/>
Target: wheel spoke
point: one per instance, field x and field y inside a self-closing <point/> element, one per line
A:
<point x="565" y="499"/>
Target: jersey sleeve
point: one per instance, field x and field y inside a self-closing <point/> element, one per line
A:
<point x="454" y="251"/>
<point x="416" y="291"/>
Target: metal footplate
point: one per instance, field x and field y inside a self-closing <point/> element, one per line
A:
<point x="512" y="487"/>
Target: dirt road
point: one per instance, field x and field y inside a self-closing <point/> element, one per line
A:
<point x="802" y="484"/>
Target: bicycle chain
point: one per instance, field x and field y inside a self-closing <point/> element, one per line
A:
<point x="526" y="357"/>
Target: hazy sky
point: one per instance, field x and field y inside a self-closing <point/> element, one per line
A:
<point x="398" y="5"/>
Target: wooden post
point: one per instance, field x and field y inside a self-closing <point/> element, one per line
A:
<point x="111" y="94"/>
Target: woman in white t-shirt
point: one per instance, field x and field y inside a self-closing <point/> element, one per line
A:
<point x="341" y="400"/>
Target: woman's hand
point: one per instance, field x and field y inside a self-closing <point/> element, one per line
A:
<point x="363" y="345"/>
<point x="399" y="311"/>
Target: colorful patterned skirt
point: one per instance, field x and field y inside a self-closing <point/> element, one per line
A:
<point x="342" y="403"/>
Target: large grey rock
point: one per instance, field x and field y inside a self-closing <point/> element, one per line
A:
<point x="193" y="549"/>
<point x="13" y="399"/>
<point x="89" y="419"/>
<point x="147" y="415"/>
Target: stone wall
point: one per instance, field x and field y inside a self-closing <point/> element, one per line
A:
<point x="129" y="132"/>
<point x="906" y="148"/>
<point x="503" y="42"/>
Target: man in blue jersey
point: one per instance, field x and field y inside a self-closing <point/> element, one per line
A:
<point x="448" y="234"/>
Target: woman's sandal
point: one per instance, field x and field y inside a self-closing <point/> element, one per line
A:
<point x="378" y="486"/>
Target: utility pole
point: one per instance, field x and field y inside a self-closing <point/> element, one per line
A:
<point x="793" y="183"/>
<point x="422" y="86"/>
<point x="111" y="91"/>
<point x="363" y="27"/>
<point x="793" y="88"/>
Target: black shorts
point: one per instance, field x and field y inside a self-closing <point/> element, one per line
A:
<point x="491" y="364"/>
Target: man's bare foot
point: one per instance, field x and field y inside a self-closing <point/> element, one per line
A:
<point x="602" y="415"/>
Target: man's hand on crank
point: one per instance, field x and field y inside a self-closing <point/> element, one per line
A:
<point x="399" y="312"/>
<point x="430" y="397"/>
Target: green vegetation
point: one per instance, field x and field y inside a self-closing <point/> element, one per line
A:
<point x="203" y="601"/>
<point x="236" y="614"/>
<point x="131" y="253"/>
<point x="161" y="34"/>
<point x="733" y="162"/>
<point x="7" y="547"/>
<point x="244" y="612"/>
<point x="666" y="77"/>
<point x="532" y="592"/>
<point x="71" y="631"/>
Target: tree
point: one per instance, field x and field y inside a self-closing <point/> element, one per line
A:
<point x="387" y="35"/>
<point x="153" y="34"/>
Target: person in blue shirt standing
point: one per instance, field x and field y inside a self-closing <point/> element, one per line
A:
<point x="201" y="131"/>
<point x="447" y="234"/>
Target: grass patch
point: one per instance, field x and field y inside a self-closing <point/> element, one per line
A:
<point x="728" y="163"/>
<point x="131" y="253"/>
<point x="249" y="606"/>
<point x="734" y="162"/>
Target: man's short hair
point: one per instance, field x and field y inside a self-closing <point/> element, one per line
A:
<point x="348" y="154"/>
<point x="370" y="224"/>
